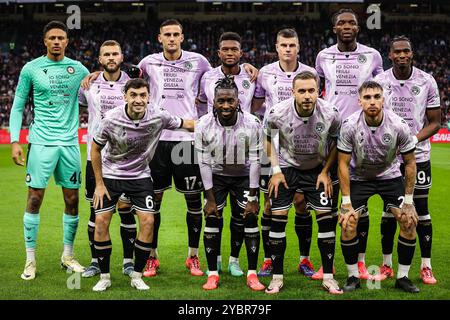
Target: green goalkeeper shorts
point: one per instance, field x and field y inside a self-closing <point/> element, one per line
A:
<point x="62" y="161"/>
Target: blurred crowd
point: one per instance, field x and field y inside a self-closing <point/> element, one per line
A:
<point x="21" y="42"/>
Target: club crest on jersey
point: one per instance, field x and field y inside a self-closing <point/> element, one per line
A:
<point x="362" y="58"/>
<point x="188" y="65"/>
<point x="151" y="128"/>
<point x="70" y="70"/>
<point x="245" y="84"/>
<point x="387" y="138"/>
<point x="320" y="127"/>
<point x="415" y="90"/>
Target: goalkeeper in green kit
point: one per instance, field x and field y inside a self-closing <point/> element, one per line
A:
<point x="53" y="147"/>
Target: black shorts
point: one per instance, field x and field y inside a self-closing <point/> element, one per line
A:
<point x="90" y="185"/>
<point x="423" y="177"/>
<point x="304" y="180"/>
<point x="140" y="192"/>
<point x="392" y="191"/>
<point x="238" y="186"/>
<point x="182" y="167"/>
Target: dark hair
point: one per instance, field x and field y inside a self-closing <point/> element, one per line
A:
<point x="370" y="84"/>
<point x="341" y="11"/>
<point x="304" y="75"/>
<point x="136" y="83"/>
<point x="230" y="36"/>
<point x="55" y="25"/>
<point x="110" y="43"/>
<point x="226" y="83"/>
<point x="171" y="22"/>
<point x="287" y="33"/>
<point x="399" y="38"/>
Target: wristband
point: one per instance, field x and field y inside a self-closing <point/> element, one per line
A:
<point x="346" y="200"/>
<point x="416" y="141"/>
<point x="276" y="170"/>
<point x="252" y="198"/>
<point x="408" y="199"/>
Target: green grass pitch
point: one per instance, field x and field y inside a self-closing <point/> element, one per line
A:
<point x="173" y="281"/>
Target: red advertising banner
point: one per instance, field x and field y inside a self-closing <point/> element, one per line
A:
<point x="443" y="136"/>
<point x="4" y="136"/>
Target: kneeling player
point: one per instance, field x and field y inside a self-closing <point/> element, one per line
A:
<point x="228" y="145"/>
<point x="131" y="134"/>
<point x="368" y="144"/>
<point x="303" y="124"/>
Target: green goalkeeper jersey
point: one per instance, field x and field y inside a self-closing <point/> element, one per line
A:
<point x="55" y="86"/>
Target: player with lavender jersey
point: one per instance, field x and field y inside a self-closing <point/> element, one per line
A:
<point x="228" y="143"/>
<point x="413" y="95"/>
<point x="229" y="53"/>
<point x="368" y="145"/>
<point x="342" y="68"/>
<point x="274" y="85"/>
<point x="303" y="125"/>
<point x="106" y="93"/>
<point x="130" y="134"/>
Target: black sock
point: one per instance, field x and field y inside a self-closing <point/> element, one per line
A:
<point x="141" y="254"/>
<point x="424" y="227"/>
<point x="91" y="232"/>
<point x="252" y="239"/>
<point x="157" y="223"/>
<point x="303" y="229"/>
<point x="265" y="229"/>
<point x="236" y="235"/>
<point x="277" y="239"/>
<point x="220" y="234"/>
<point x="363" y="233"/>
<point x="103" y="249"/>
<point x="211" y="240"/>
<point x="128" y="232"/>
<point x="350" y="250"/>
<point x="326" y="241"/>
<point x="335" y="218"/>
<point x="405" y="250"/>
<point x="388" y="228"/>
<point x="194" y="221"/>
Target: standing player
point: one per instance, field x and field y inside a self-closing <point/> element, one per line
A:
<point x="105" y="94"/>
<point x="368" y="144"/>
<point x="413" y="95"/>
<point x="274" y="85"/>
<point x="229" y="53"/>
<point x="131" y="133"/>
<point x="228" y="145"/>
<point x="343" y="68"/>
<point x="53" y="147"/>
<point x="303" y="126"/>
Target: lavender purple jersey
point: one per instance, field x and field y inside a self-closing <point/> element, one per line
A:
<point x="130" y="144"/>
<point x="303" y="141"/>
<point x="245" y="86"/>
<point x="275" y="85"/>
<point x="410" y="99"/>
<point x="374" y="150"/>
<point x="174" y="85"/>
<point x="344" y="72"/>
<point x="103" y="95"/>
<point x="230" y="150"/>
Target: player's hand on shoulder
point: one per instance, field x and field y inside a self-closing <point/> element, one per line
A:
<point x="251" y="71"/>
<point x="17" y="154"/>
<point x="86" y="82"/>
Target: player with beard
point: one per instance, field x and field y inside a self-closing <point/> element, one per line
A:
<point x="413" y="95"/>
<point x="228" y="143"/>
<point x="368" y="145"/>
<point x="274" y="85"/>
<point x="342" y="68"/>
<point x="106" y="93"/>
<point x="230" y="53"/>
